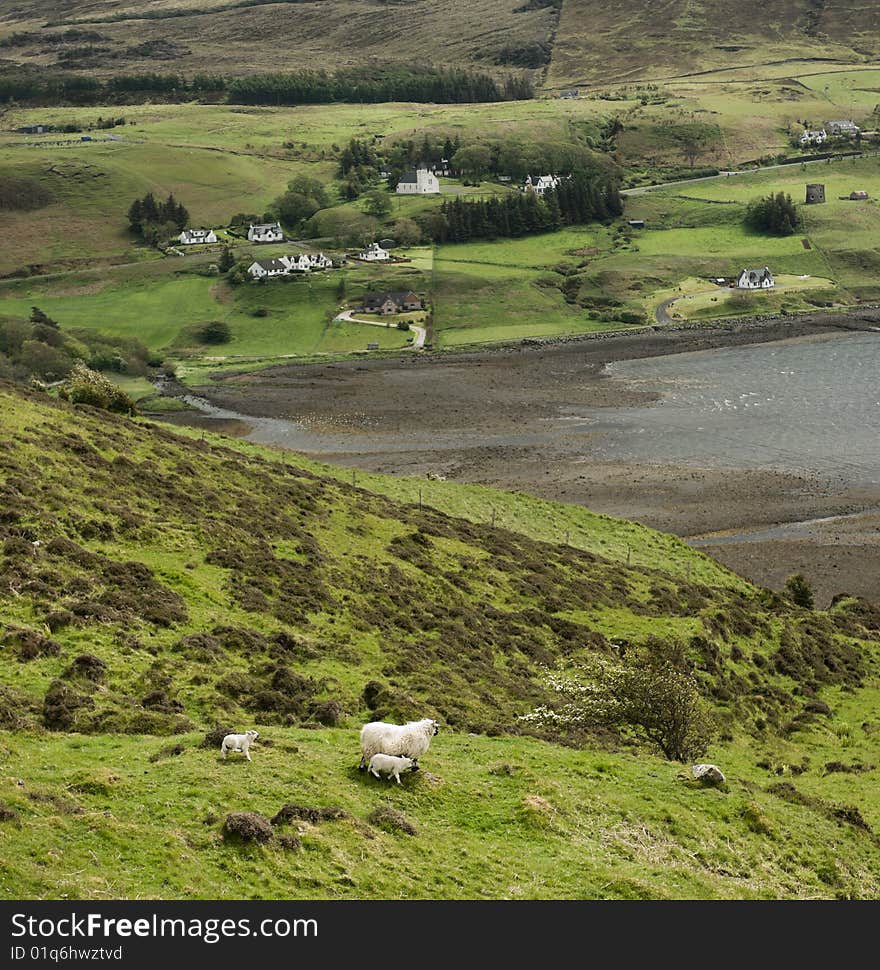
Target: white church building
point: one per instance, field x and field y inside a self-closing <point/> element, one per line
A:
<point x="418" y="181"/>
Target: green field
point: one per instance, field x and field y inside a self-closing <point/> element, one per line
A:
<point x="164" y="314"/>
<point x="499" y="818"/>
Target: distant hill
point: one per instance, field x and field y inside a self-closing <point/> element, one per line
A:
<point x="236" y="37"/>
<point x="634" y="39"/>
<point x="588" y="42"/>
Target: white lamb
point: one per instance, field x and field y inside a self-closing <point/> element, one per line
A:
<point x="390" y="765"/>
<point x="239" y="742"/>
<point x="410" y="740"/>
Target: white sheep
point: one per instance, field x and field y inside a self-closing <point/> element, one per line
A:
<point x="239" y="742"/>
<point x="411" y="739"/>
<point x="390" y="765"/>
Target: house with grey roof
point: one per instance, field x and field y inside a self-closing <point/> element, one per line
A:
<point x="755" y="279"/>
<point x="418" y="181"/>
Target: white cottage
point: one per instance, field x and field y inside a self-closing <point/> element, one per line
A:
<point x="264" y="268"/>
<point x="418" y="181"/>
<point x="266" y="232"/>
<point x="285" y="265"/>
<point x="306" y="262"/>
<point x="189" y="237"/>
<point x="814" y="137"/>
<point x="374" y="253"/>
<point x="542" y="183"/>
<point x="755" y="279"/>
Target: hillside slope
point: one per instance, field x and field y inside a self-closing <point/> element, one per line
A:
<point x="152" y="584"/>
<point x="205" y="584"/>
<point x="585" y="41"/>
<point x="237" y="37"/>
<point x="597" y="43"/>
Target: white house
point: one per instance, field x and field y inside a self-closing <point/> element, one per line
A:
<point x="542" y="183"/>
<point x="267" y="232"/>
<point x="306" y="262"/>
<point x="755" y="279"/>
<point x="374" y="253"/>
<point x="817" y="137"/>
<point x="261" y="269"/>
<point x="419" y="181"/>
<point x="285" y="265"/>
<point x="189" y="237"/>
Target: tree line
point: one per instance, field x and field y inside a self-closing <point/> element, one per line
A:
<point x="155" y="221"/>
<point x="577" y="200"/>
<point x="420" y="84"/>
<point x="447" y="86"/>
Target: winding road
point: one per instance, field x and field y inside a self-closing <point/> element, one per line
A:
<point x="420" y="332"/>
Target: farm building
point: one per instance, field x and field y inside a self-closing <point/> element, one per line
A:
<point x="418" y="181"/>
<point x="400" y="301"/>
<point x="842" y="129"/>
<point x="755" y="279"/>
<point x="815" y="193"/>
<point x="190" y="237"/>
<point x="637" y="223"/>
<point x="374" y="253"/>
<point x="267" y="232"/>
<point x="35" y="129"/>
<point x="859" y="195"/>
<point x="570" y="93"/>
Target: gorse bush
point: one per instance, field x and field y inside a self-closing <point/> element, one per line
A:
<point x="799" y="591"/>
<point x="85" y="386"/>
<point x="651" y="692"/>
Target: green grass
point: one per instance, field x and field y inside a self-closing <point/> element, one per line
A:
<point x="500" y="818"/>
<point x="163" y="314"/>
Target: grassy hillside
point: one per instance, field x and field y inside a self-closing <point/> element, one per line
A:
<point x="235" y="37"/>
<point x="597" y="42"/>
<point x="585" y="41"/>
<point x="104" y="817"/>
<point x="154" y="584"/>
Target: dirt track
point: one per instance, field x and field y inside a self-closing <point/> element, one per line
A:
<point x="498" y="417"/>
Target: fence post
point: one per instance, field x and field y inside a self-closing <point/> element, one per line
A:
<point x="493" y="518"/>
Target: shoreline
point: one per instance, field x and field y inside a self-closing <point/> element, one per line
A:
<point x="514" y="418"/>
